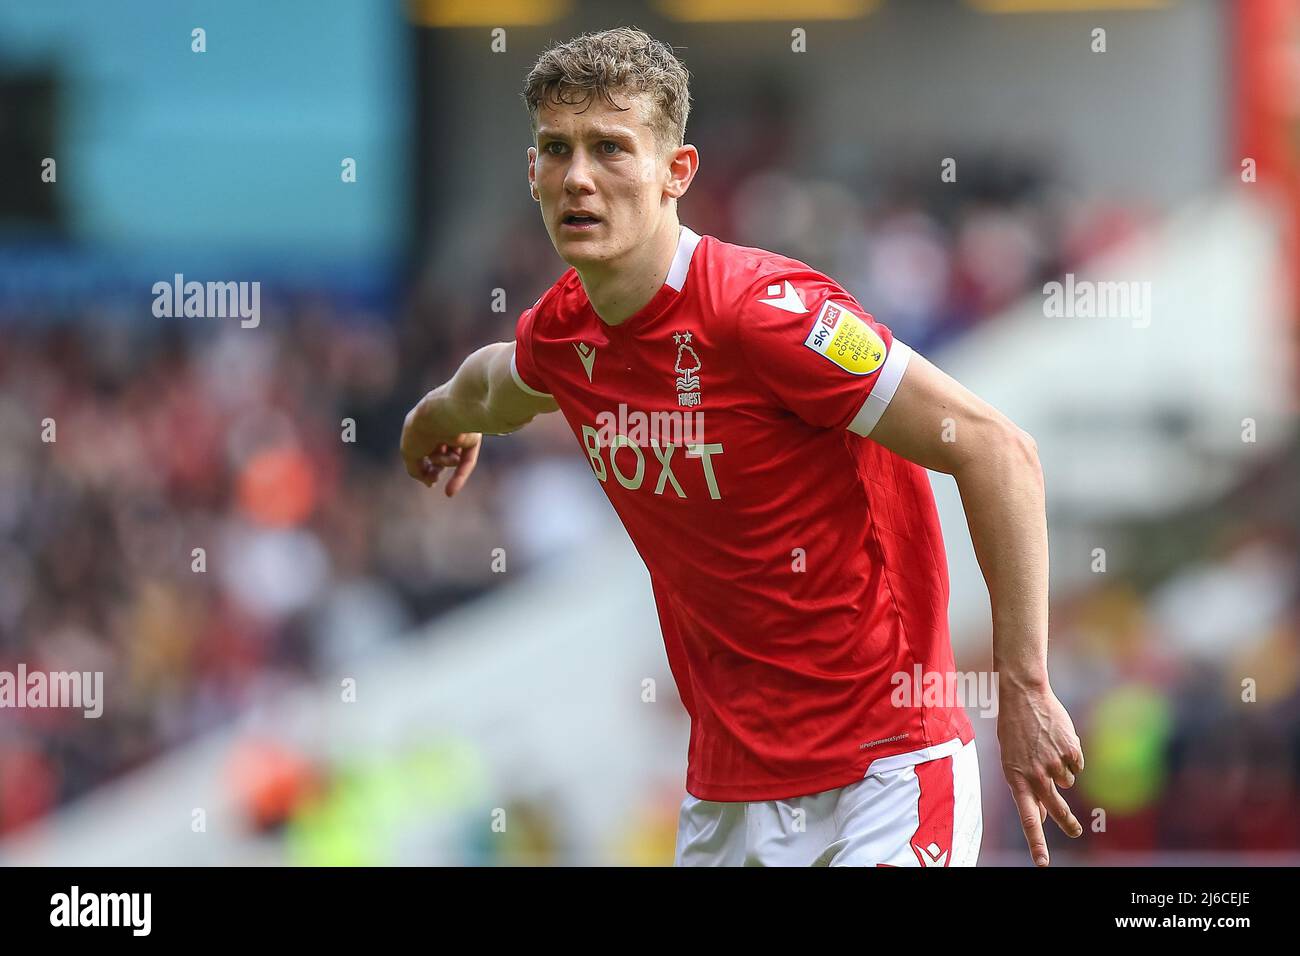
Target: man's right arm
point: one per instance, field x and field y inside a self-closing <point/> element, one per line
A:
<point x="446" y="427"/>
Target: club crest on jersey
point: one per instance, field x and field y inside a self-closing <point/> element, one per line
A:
<point x="687" y="368"/>
<point x="846" y="339"/>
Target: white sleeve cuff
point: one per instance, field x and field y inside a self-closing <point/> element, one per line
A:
<point x="514" y="373"/>
<point x="891" y="373"/>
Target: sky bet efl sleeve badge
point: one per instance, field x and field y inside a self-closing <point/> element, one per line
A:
<point x="846" y="339"/>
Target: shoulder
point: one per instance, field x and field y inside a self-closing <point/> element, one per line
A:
<point x="778" y="305"/>
<point x="556" y="301"/>
<point x="747" y="278"/>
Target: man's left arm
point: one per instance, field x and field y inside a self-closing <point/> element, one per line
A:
<point x="937" y="423"/>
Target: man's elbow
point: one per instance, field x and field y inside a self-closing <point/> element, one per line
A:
<point x="1024" y="450"/>
<point x="1004" y="447"/>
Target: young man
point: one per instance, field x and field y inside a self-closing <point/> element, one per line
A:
<point x="764" y="441"/>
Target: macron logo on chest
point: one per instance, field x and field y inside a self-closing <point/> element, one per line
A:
<point x="587" y="356"/>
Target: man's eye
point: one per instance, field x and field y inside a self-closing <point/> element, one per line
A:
<point x="612" y="144"/>
<point x="553" y="148"/>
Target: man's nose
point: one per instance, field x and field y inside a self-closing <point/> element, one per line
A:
<point x="578" y="178"/>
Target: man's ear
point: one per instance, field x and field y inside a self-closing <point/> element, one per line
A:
<point x="532" y="173"/>
<point x="683" y="163"/>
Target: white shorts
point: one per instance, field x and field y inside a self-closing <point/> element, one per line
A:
<point x="923" y="814"/>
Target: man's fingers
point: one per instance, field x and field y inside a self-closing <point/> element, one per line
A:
<point x="1032" y="824"/>
<point x="1074" y="760"/>
<point x="1064" y="779"/>
<point x="419" y="470"/>
<point x="1059" y="810"/>
<point x="444" y="460"/>
<point x="427" y="469"/>
<point x="463" y="470"/>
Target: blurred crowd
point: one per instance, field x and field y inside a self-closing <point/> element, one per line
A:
<point x="211" y="515"/>
<point x="1186" y="687"/>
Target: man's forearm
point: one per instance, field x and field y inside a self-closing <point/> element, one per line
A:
<point x="1003" y="496"/>
<point x="473" y="399"/>
<point x="462" y="399"/>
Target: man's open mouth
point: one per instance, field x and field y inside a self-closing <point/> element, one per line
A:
<point x="580" y="220"/>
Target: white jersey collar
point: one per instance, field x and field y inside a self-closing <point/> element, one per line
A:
<point x="687" y="240"/>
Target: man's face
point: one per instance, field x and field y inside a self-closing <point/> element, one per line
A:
<point x="602" y="162"/>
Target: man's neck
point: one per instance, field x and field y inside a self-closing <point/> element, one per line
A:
<point x="621" y="291"/>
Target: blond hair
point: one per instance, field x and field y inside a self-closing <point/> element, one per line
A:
<point x="624" y="60"/>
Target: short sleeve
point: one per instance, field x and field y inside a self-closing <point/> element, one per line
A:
<point x="522" y="366"/>
<point x="824" y="356"/>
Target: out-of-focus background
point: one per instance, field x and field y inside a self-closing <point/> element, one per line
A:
<point x="353" y="670"/>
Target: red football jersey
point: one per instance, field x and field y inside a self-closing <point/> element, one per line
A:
<point x="797" y="566"/>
